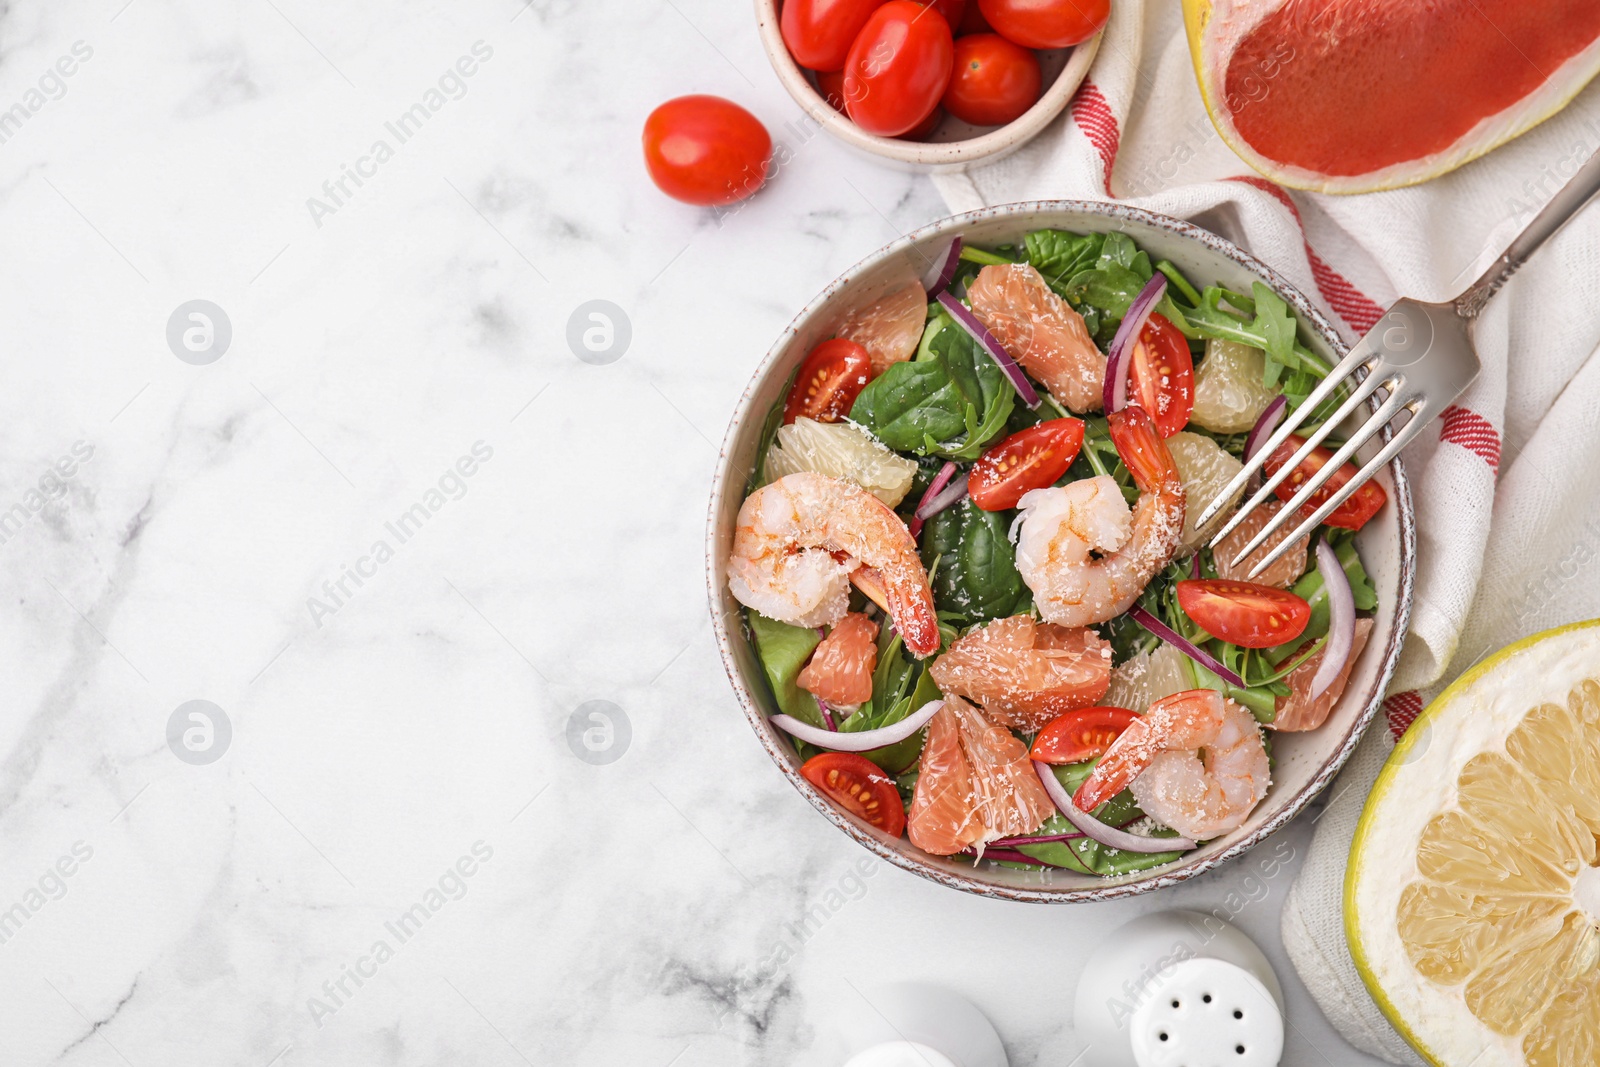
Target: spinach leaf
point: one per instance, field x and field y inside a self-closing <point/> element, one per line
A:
<point x="892" y="678"/>
<point x="1085" y="855"/>
<point x="1058" y="255"/>
<point x="1109" y="289"/>
<point x="951" y="400"/>
<point x="769" y="431"/>
<point x="1118" y="250"/>
<point x="977" y="577"/>
<point x="783" y="651"/>
<point x="898" y="757"/>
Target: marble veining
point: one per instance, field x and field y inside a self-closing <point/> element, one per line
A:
<point x="285" y="880"/>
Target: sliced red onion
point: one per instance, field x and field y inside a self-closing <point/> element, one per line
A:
<point x="1341" y="619"/>
<point x="980" y="333"/>
<point x="952" y="494"/>
<point x="1194" y="569"/>
<point x="864" y="740"/>
<point x="827" y="712"/>
<point x="1039" y="839"/>
<point x="1211" y="663"/>
<point x="1115" y="396"/>
<point x="940" y="480"/>
<point x="1265" y="425"/>
<point x="1109" y="836"/>
<point x="938" y="276"/>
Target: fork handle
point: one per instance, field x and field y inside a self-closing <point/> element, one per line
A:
<point x="1567" y="202"/>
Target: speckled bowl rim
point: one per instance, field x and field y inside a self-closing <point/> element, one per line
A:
<point x="900" y="852"/>
<point x="938" y="155"/>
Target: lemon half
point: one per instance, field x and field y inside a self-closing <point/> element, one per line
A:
<point x="1472" y="896"/>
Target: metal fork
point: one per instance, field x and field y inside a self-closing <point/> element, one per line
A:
<point x="1420" y="356"/>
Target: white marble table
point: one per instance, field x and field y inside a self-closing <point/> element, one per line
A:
<point x="395" y="534"/>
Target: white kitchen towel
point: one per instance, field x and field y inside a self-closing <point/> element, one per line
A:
<point x="1507" y="483"/>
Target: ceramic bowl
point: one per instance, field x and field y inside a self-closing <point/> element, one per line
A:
<point x="1305" y="762"/>
<point x="954" y="145"/>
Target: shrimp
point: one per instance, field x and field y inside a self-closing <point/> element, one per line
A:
<point x="1084" y="554"/>
<point x="797" y="540"/>
<point x="1194" y="762"/>
<point x="1041" y="331"/>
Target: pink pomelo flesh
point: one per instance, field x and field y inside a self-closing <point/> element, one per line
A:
<point x="1350" y="87"/>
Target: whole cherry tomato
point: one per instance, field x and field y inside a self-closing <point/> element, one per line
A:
<point x="993" y="82"/>
<point x="897" y="69"/>
<point x="925" y="127"/>
<point x="818" y="32"/>
<point x="1029" y="459"/>
<point x="1243" y="613"/>
<point x="952" y="10"/>
<point x="972" y="20"/>
<point x="1161" y="375"/>
<point x="830" y="85"/>
<point x="1046" y="23"/>
<point x="705" y="150"/>
<point x="828" y="382"/>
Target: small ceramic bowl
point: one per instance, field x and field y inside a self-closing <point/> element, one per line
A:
<point x="1304" y="762"/>
<point x="953" y="145"/>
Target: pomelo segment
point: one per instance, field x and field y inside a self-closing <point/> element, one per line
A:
<point x="1472" y="896"/>
<point x="1348" y="96"/>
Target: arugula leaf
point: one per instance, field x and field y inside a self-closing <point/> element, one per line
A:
<point x="783" y="651"/>
<point x="1277" y="328"/>
<point x="977" y="577"/>
<point x="951" y="400"/>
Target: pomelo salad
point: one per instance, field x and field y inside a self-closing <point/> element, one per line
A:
<point x="971" y="568"/>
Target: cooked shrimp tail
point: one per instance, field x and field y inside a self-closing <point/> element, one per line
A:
<point x="797" y="541"/>
<point x="1194" y="761"/>
<point x="1143" y="452"/>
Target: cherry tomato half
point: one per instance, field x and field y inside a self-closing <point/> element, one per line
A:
<point x="1080" y="734"/>
<point x="705" y="150"/>
<point x="1243" y="613"/>
<point x="993" y="81"/>
<point x="856" y="784"/>
<point x="1046" y="23"/>
<point x="1161" y="375"/>
<point x="1353" y="513"/>
<point x="1028" y="459"/>
<point x="829" y="381"/>
<point x="818" y="33"/>
<point x="897" y="69"/>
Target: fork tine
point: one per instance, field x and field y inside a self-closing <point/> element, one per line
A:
<point x="1358" y="396"/>
<point x="1291" y="422"/>
<point x="1398" y="440"/>
<point x="1386" y="411"/>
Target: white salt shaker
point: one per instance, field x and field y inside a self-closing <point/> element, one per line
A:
<point x="1179" y="989"/>
<point x="916" y="1025"/>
